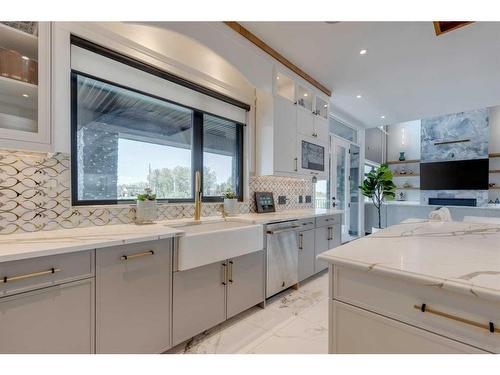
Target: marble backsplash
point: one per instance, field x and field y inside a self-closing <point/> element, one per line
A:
<point x="290" y="187"/>
<point x="35" y="195"/>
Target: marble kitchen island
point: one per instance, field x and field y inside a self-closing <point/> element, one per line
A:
<point x="417" y="287"/>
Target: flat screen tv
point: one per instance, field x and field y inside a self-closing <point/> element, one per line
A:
<point x="455" y="175"/>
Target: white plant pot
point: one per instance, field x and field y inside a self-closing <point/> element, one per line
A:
<point x="145" y="211"/>
<point x="375" y="230"/>
<point x="230" y="206"/>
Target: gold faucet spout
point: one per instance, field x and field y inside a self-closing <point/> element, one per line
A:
<point x="197" y="196"/>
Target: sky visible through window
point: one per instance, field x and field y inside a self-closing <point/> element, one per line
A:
<point x="135" y="158"/>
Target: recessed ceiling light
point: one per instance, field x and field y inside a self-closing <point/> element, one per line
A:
<point x="358" y="96"/>
<point x="25" y="57"/>
<point x="382" y="117"/>
<point x="26" y="95"/>
<point x="277" y="77"/>
<point x="305" y="94"/>
<point x="362" y="52"/>
<point x="326" y="105"/>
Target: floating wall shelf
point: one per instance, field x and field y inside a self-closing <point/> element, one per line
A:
<point x="405" y="161"/>
<point x="494" y="155"/>
<point x="407" y="174"/>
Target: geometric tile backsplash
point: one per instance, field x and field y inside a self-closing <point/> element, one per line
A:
<point x="35" y="194"/>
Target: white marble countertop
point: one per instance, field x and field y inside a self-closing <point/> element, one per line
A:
<point x="271" y="217"/>
<point x="415" y="203"/>
<point x="457" y="256"/>
<point x="43" y="243"/>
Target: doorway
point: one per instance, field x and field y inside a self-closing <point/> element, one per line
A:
<point x="344" y="190"/>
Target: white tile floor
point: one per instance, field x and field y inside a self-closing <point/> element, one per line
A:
<point x="293" y="322"/>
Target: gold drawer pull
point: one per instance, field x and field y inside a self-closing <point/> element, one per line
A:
<point x="490" y="326"/>
<point x="7" y="279"/>
<point x="138" y="255"/>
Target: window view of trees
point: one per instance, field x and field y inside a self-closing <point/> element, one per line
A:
<point x="174" y="183"/>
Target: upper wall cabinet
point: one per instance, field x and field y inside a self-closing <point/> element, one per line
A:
<point x="293" y="115"/>
<point x="24" y="85"/>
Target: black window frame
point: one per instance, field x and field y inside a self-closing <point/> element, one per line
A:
<point x="196" y="151"/>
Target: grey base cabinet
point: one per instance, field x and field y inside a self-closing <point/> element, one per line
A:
<point x="199" y="296"/>
<point x="306" y="254"/>
<point x="245" y="286"/>
<point x="326" y="238"/>
<point x="133" y="298"/>
<point x="206" y="296"/>
<point x="58" y="319"/>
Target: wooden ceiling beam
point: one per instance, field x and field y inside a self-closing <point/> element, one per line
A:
<point x="236" y="26"/>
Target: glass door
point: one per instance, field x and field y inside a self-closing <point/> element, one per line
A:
<point x="340" y="180"/>
<point x="354" y="164"/>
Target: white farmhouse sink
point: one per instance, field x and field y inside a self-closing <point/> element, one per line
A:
<point x="209" y="242"/>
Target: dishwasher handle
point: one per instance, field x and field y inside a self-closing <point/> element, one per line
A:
<point x="287" y="229"/>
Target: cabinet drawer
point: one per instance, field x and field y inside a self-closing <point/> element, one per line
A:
<point x="398" y="299"/>
<point x="57" y="320"/>
<point x="306" y="224"/>
<point x="29" y="274"/>
<point x="357" y="331"/>
<point x="323" y="221"/>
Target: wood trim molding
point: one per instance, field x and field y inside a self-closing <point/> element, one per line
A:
<point x="443" y="27"/>
<point x="276" y="55"/>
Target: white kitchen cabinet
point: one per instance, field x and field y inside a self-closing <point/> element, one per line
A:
<point x="305" y="122"/>
<point x="357" y="331"/>
<point x="285" y="136"/>
<point x="133" y="298"/>
<point x="283" y="119"/>
<point x="58" y="319"/>
<point x="24" y="89"/>
<point x="206" y="296"/>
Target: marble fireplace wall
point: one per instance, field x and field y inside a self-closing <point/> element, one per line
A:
<point x="471" y="129"/>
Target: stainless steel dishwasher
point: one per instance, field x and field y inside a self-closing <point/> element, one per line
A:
<point x="282" y="256"/>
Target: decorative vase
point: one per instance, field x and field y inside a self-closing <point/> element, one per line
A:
<point x="145" y="211"/>
<point x="230" y="206"/>
<point x="402" y="156"/>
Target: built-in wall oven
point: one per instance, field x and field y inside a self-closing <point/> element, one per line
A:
<point x="282" y="256"/>
<point x="313" y="156"/>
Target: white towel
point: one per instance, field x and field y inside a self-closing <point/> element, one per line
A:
<point x="443" y="214"/>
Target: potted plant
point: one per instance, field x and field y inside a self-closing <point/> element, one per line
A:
<point x="378" y="186"/>
<point x="146" y="207"/>
<point x="230" y="202"/>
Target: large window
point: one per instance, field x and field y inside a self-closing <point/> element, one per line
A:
<point x="124" y="140"/>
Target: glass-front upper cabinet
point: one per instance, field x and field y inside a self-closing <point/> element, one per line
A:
<point x="304" y="98"/>
<point x="321" y="107"/>
<point x="285" y="87"/>
<point x="24" y="84"/>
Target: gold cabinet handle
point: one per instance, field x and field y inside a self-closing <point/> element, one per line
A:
<point x="224" y="273"/>
<point x="230" y="277"/>
<point x="490" y="326"/>
<point x="137" y="255"/>
<point x="301" y="241"/>
<point x="7" y="279"/>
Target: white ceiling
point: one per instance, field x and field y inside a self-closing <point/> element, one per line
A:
<point x="408" y="72"/>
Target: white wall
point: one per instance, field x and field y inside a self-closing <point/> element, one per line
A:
<point x="403" y="136"/>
